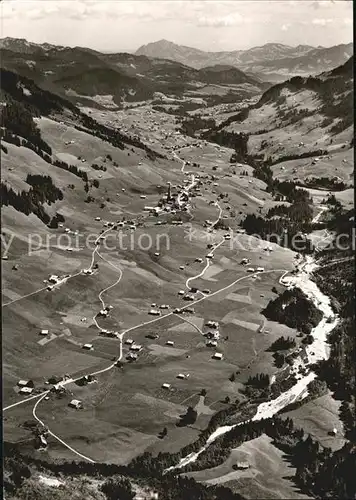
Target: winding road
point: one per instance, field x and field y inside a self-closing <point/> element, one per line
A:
<point x="42" y="395"/>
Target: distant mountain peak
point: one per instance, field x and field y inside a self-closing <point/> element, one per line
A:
<point x="272" y="62"/>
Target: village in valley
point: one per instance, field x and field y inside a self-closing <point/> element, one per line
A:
<point x="171" y="286"/>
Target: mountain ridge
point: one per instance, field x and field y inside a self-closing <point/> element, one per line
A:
<point x="274" y="61"/>
<point x="125" y="76"/>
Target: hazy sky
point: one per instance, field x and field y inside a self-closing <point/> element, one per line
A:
<point x="118" y="25"/>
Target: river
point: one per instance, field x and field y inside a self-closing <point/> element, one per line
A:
<point x="316" y="351"/>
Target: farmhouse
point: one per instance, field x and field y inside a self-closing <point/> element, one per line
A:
<point x="136" y="347"/>
<point x="75" y="403"/>
<point x="182" y="376"/>
<point x="129" y="341"/>
<point x="213" y="335"/>
<point x="155" y="312"/>
<point x="170" y="342"/>
<point x="89" y="347"/>
<point x="166" y="386"/>
<point x="260" y="269"/>
<point x="87" y="379"/>
<point x="181" y="292"/>
<point x="212" y="343"/>
<point x="250" y="270"/>
<point x="218" y="355"/>
<point x="242" y="465"/>
<point x="131" y="356"/>
<point x="26" y="390"/>
<point x="212" y="324"/>
<point x="25" y="383"/>
<point x="44" y="332"/>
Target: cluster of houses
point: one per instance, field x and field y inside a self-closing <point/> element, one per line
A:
<point x="25" y="386"/>
<point x="54" y="280"/>
<point x="105" y="312"/>
<point x="180" y="376"/>
<point x="258" y="269"/>
<point x="213" y="337"/>
<point x="134" y="350"/>
<point x="109" y="333"/>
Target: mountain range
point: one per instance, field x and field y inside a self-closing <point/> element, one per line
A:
<point x="272" y="62"/>
<point x="124" y="76"/>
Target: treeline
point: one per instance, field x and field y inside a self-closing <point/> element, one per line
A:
<point x="325" y="183"/>
<point x="236" y="141"/>
<point x="282" y="231"/>
<point x="294" y="309"/>
<point x="335" y="277"/>
<point x="279" y="347"/>
<point x="70" y="168"/>
<point x="193" y="124"/>
<point x="113" y="136"/>
<point x="288" y="224"/>
<point x="95" y="166"/>
<point x="279" y="189"/>
<point x="18" y="141"/>
<point x="282" y="344"/>
<point x="335" y="92"/>
<point x="299" y="212"/>
<point x="293" y="115"/>
<point x="220" y="449"/>
<point x="39" y="102"/>
<point x="259" y="381"/>
<point x="299" y="156"/>
<point x="42" y="191"/>
<point x="239" y="117"/>
<point x="118" y="478"/>
<point x="319" y="471"/>
<point x="14" y="139"/>
<point x="17" y="118"/>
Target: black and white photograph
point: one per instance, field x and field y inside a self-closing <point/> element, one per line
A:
<point x="177" y="249"/>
